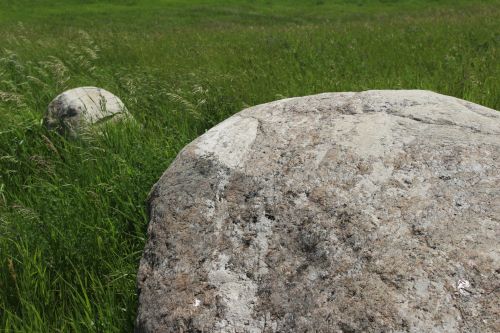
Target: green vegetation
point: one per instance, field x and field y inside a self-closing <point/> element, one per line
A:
<point x="72" y="212"/>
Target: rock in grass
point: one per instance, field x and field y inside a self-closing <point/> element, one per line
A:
<point x="340" y="212"/>
<point x="77" y="108"/>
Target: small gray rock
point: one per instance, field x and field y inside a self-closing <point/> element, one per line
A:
<point x="77" y="108"/>
<point x="342" y="212"/>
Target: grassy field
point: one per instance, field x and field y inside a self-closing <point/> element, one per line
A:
<point x="72" y="212"/>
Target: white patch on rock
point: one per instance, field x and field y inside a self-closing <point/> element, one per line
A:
<point x="373" y="133"/>
<point x="463" y="287"/>
<point x="237" y="291"/>
<point x="229" y="141"/>
<point x="238" y="294"/>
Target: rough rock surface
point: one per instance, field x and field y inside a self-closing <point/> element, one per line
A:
<point x="76" y="108"/>
<point x="341" y="212"/>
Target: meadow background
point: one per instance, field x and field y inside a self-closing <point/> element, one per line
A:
<point x="72" y="212"/>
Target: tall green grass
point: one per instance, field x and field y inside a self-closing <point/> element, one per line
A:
<point x="72" y="211"/>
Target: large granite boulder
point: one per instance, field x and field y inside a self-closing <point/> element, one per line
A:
<point x="341" y="212"/>
<point x="75" y="109"/>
